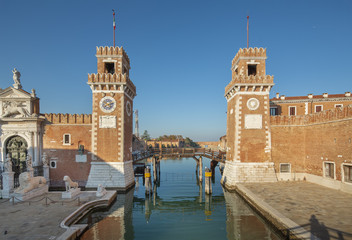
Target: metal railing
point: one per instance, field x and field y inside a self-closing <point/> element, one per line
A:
<point x="219" y="156"/>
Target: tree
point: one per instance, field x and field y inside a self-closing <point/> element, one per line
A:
<point x="145" y="135"/>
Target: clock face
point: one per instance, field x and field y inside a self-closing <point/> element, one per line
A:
<point x="253" y="104"/>
<point x="128" y="108"/>
<point x="107" y="104"/>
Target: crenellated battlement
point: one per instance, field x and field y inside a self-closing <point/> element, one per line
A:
<point x="320" y="117"/>
<point x="249" y="53"/>
<point x="111" y="51"/>
<point x="65" y="118"/>
<point x="250" y="81"/>
<point x="107" y="78"/>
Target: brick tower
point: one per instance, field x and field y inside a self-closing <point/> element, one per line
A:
<point x="113" y="94"/>
<point x="248" y="120"/>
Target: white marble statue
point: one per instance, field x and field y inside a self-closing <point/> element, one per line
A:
<point x="69" y="183"/>
<point x="8" y="164"/>
<point x="29" y="162"/>
<point x="14" y="109"/>
<point x="101" y="191"/>
<point x="16" y="76"/>
<point x="28" y="183"/>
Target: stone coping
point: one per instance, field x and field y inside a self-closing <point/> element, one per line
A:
<point x="73" y="230"/>
<point x="284" y="225"/>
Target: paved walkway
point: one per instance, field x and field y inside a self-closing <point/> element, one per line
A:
<point x="325" y="213"/>
<point x="36" y="221"/>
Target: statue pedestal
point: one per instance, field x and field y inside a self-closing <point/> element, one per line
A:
<point x="71" y="193"/>
<point x="7" y="184"/>
<point x="31" y="194"/>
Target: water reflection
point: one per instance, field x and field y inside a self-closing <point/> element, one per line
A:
<point x="177" y="209"/>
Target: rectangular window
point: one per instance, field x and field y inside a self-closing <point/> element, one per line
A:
<point x="252" y="70"/>
<point x="285" y="167"/>
<point x="338" y="105"/>
<point x="292" y="111"/>
<point x="329" y="168"/>
<point x="273" y="111"/>
<point x="67" y="139"/>
<point x="110" y="67"/>
<point x="318" y="108"/>
<point x="347" y="172"/>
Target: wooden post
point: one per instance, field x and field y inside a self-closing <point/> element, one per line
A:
<point x="200" y="169"/>
<point x="208" y="188"/>
<point x="148" y="182"/>
<point x="154" y="170"/>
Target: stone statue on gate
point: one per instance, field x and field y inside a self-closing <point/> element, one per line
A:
<point x="101" y="191"/>
<point x="8" y="164"/>
<point x="29" y="162"/>
<point x="28" y="183"/>
<point x="16" y="79"/>
<point x="69" y="184"/>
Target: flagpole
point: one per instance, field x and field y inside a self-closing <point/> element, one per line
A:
<point x="113" y="24"/>
<point x="247" y="31"/>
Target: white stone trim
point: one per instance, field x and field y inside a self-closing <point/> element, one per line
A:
<point x="335" y="105"/>
<point x="343" y="173"/>
<point x="289" y="164"/>
<point x="289" y="111"/>
<point x="315" y="108"/>
<point x="306" y="110"/>
<point x="63" y="139"/>
<point x="324" y="172"/>
<point x="111" y="174"/>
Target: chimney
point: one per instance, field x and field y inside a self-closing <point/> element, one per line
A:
<point x="282" y="97"/>
<point x="325" y="95"/>
<point x="277" y="95"/>
<point x="310" y="95"/>
<point x="347" y="94"/>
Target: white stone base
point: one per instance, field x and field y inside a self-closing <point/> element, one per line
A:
<point x="72" y="193"/>
<point x="111" y="175"/>
<point x="237" y="172"/>
<point x="31" y="194"/>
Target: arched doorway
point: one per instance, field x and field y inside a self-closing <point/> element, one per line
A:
<point x="17" y="147"/>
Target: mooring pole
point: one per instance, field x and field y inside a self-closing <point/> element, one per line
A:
<point x="200" y="169"/>
<point x="154" y="170"/>
<point x="208" y="188"/>
<point x="148" y="182"/>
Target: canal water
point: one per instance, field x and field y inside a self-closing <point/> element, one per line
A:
<point x="177" y="209"/>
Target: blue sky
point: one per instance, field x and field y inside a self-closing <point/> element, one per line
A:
<point x="180" y="53"/>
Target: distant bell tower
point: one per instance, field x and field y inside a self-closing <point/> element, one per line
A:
<point x="112" y="120"/>
<point x="248" y="119"/>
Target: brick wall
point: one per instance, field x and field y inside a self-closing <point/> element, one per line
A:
<point x="65" y="154"/>
<point x="308" y="141"/>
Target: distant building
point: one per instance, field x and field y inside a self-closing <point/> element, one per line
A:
<point x="303" y="105"/>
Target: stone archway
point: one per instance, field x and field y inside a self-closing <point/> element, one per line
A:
<point x="17" y="147"/>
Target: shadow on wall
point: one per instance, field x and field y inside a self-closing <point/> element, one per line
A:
<point x="73" y="163"/>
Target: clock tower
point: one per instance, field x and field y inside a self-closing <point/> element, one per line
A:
<point x="113" y="94"/>
<point x="248" y="153"/>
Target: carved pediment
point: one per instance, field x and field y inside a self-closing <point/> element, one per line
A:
<point x="15" y="103"/>
<point x="12" y="93"/>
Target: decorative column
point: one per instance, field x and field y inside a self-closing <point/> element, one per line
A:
<point x="7" y="178"/>
<point x="29" y="165"/>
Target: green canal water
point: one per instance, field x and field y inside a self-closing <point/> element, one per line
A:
<point x="177" y="209"/>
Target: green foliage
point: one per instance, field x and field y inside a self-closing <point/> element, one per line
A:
<point x="145" y="136"/>
<point x="189" y="143"/>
